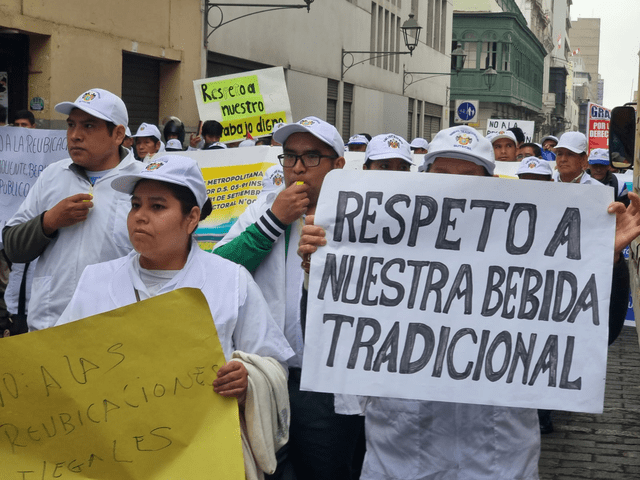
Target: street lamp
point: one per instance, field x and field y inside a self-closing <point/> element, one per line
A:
<point x="265" y="8"/>
<point x="410" y="32"/>
<point x="490" y="76"/>
<point x="458" y="56"/>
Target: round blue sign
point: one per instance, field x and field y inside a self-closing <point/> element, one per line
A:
<point x="466" y="111"/>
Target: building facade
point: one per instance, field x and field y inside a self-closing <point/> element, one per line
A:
<point x="495" y="34"/>
<point x="148" y="53"/>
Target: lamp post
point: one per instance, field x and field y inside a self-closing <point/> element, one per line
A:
<point x="265" y="8"/>
<point x="458" y="56"/>
<point x="410" y="32"/>
<point x="490" y="76"/>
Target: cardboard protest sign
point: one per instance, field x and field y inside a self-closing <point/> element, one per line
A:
<point x="249" y="102"/>
<point x="598" y="126"/>
<point x="460" y="289"/>
<point x="501" y="125"/>
<point x="234" y="180"/>
<point x="126" y="394"/>
<point x="24" y="153"/>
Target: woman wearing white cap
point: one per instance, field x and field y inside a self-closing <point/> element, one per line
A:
<point x="168" y="200"/>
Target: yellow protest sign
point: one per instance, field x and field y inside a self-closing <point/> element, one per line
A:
<point x="247" y="103"/>
<point x="123" y="395"/>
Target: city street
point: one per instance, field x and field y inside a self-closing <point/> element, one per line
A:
<point x="606" y="446"/>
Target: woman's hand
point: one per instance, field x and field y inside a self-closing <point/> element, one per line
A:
<point x="311" y="237"/>
<point x="232" y="381"/>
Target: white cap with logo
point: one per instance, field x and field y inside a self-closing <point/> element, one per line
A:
<point x="506" y="134"/>
<point x="174" y="145"/>
<point x="599" y="156"/>
<point x="320" y="129"/>
<point x="148" y="130"/>
<point x="386" y="146"/>
<point x="574" y="141"/>
<point x="464" y="143"/>
<point x="534" y="165"/>
<point x="358" y="140"/>
<point x="99" y="103"/>
<point x="175" y="169"/>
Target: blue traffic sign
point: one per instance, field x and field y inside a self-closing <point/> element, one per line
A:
<point x="466" y="111"/>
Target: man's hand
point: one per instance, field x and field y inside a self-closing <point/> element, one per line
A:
<point x="291" y="203"/>
<point x="67" y="212"/>
<point x="627" y="222"/>
<point x="311" y="237"/>
<point x="232" y="381"/>
<point x="194" y="140"/>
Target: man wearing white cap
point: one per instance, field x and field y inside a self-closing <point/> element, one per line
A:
<point x="534" y="168"/>
<point x="72" y="217"/>
<point x="600" y="170"/>
<point x="571" y="159"/>
<point x="265" y="240"/>
<point x="388" y="152"/>
<point x="147" y="141"/>
<point x="505" y="146"/>
<point x="419" y="145"/>
<point x="358" y="143"/>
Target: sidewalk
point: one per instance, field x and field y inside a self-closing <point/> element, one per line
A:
<point x="607" y="446"/>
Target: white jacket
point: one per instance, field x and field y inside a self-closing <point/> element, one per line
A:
<point x="102" y="236"/>
<point x="238" y="308"/>
<point x="414" y="439"/>
<point x="271" y="275"/>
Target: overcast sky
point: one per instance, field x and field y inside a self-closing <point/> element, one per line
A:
<point x="619" y="45"/>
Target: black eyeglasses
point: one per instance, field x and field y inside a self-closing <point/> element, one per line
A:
<point x="288" y="160"/>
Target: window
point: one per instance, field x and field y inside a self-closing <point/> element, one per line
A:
<point x="385" y="37"/>
<point x="332" y="100"/>
<point x="470" y="46"/>
<point x="432" y="120"/>
<point x="506" y="57"/>
<point x="489" y="54"/>
<point x="410" y="119"/>
<point x="347" y="102"/>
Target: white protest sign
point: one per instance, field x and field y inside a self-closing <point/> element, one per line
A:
<point x="249" y="102"/>
<point x="24" y="153"/>
<point x="501" y="126"/>
<point x="460" y="289"/>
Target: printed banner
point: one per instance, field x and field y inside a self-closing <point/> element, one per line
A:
<point x="123" y="395"/>
<point x="461" y="289"/>
<point x="234" y="180"/>
<point x="24" y="153"/>
<point x="501" y="126"/>
<point x="245" y="103"/>
<point x="598" y="126"/>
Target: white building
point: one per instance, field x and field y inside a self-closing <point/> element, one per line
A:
<point x="368" y="96"/>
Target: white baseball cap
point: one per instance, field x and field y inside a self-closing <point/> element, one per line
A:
<point x="101" y="104"/>
<point x="534" y="165"/>
<point x="148" y="130"/>
<point x="574" y="141"/>
<point x="464" y="143"/>
<point x="386" y="146"/>
<point x="549" y="137"/>
<point x="320" y="129"/>
<point x="358" y="140"/>
<point x="247" y="143"/>
<point x="175" y="169"/>
<point x="599" y="156"/>
<point x="276" y="127"/>
<point x="127" y="131"/>
<point x="419" y="142"/>
<point x="174" y="144"/>
<point x="506" y="134"/>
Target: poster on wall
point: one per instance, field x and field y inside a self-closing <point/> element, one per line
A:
<point x="598" y="126"/>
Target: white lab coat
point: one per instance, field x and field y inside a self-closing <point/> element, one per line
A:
<point x="238" y="308"/>
<point x="414" y="439"/>
<point x="102" y="236"/>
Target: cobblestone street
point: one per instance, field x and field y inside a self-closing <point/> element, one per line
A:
<point x="607" y="446"/>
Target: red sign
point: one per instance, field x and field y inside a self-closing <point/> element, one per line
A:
<point x="598" y="126"/>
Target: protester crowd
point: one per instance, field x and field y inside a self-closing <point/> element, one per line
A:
<point x="113" y="225"/>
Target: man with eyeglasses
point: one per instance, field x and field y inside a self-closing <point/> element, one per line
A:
<point x="528" y="150"/>
<point x="265" y="240"/>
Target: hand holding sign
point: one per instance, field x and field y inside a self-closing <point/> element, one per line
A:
<point x="311" y="237"/>
<point x="232" y="381"/>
